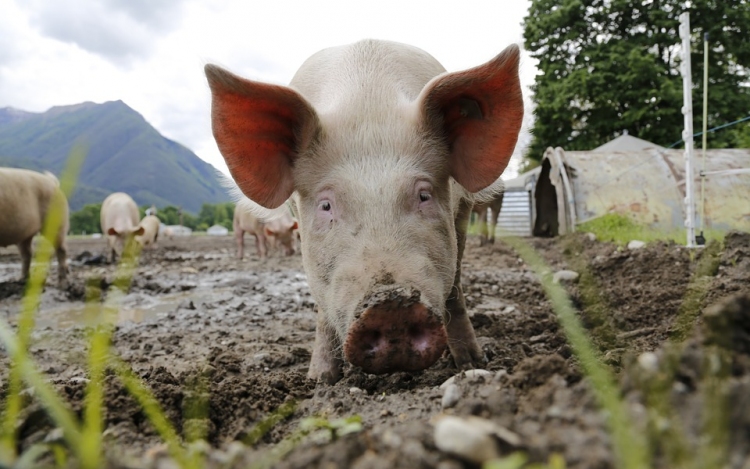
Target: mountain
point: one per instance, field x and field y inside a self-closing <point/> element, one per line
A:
<point x="124" y="153"/>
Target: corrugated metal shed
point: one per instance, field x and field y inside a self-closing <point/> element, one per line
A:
<point x="647" y="184"/>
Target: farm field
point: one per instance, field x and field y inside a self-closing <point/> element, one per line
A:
<point x="224" y="344"/>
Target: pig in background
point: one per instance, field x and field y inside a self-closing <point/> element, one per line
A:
<point x="120" y="223"/>
<point x="276" y="233"/>
<point x="26" y="197"/>
<point x="382" y="154"/>
<point x="492" y="209"/>
<point x="151" y="225"/>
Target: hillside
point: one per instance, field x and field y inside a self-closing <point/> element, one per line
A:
<point x="125" y="153"/>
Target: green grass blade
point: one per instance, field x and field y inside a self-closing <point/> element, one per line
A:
<point x="153" y="411"/>
<point x="630" y="449"/>
<point x="99" y="352"/>
<point x="57" y="409"/>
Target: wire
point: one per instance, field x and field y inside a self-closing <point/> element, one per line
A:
<point x="711" y="130"/>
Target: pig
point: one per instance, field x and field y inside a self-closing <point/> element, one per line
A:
<point x="382" y="154"/>
<point x="120" y="223"/>
<point x="494" y="206"/>
<point x="278" y="230"/>
<point x="150" y="225"/>
<point x="280" y="233"/>
<point x="26" y="197"/>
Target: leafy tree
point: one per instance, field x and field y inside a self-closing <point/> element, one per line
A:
<point x="86" y="220"/>
<point x="613" y="65"/>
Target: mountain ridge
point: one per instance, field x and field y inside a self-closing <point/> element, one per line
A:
<point x="123" y="153"/>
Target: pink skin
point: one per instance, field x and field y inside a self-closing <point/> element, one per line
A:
<point x="381" y="152"/>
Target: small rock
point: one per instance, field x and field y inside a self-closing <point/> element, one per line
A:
<point x="635" y="244"/>
<point x="500" y="375"/>
<point x="509" y="309"/>
<point x="565" y="276"/>
<point x="469" y="374"/>
<point x="591" y="236"/>
<point x="473" y="439"/>
<point x="648" y="361"/>
<point x="355" y="390"/>
<point x="188" y="270"/>
<point x="451" y="396"/>
<point x="385" y="413"/>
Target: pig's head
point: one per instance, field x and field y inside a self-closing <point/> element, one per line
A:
<point x="282" y="230"/>
<point x="375" y="176"/>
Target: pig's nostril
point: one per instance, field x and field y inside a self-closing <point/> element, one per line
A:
<point x="372" y="340"/>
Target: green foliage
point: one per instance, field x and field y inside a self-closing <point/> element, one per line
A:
<point x="86" y="220"/>
<point x="125" y="154"/>
<point x="607" y="66"/>
<point x="621" y="229"/>
<point x="216" y="214"/>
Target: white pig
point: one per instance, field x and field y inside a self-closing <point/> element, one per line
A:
<point x="381" y="152"/>
<point x="277" y="231"/>
<point x="150" y="225"/>
<point x="26" y="197"/>
<point x="119" y="219"/>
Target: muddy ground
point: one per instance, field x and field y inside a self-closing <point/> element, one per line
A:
<point x="200" y="326"/>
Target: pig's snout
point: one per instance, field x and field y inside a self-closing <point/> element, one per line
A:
<point x="395" y="332"/>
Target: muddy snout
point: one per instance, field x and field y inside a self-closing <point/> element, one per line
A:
<point x="395" y="332"/>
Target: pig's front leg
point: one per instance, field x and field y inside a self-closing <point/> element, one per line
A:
<point x="461" y="338"/>
<point x="326" y="362"/>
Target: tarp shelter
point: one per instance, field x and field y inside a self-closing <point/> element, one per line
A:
<point x="217" y="230"/>
<point x="642" y="180"/>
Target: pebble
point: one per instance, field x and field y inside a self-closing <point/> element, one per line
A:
<point x="355" y="390"/>
<point x="565" y="276"/>
<point x="635" y="244"/>
<point x="649" y="361"/>
<point x="188" y="270"/>
<point x="469" y="374"/>
<point x="591" y="236"/>
<point x="451" y="396"/>
<point x="473" y="439"/>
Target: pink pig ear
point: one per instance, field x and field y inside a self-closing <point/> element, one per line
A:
<point x="260" y="129"/>
<point x="479" y="112"/>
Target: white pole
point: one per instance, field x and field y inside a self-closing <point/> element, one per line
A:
<point x="687" y="133"/>
<point x="701" y="240"/>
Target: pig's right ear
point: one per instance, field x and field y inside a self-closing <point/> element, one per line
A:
<point x="260" y="129"/>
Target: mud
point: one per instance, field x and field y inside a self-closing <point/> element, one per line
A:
<point x="224" y="344"/>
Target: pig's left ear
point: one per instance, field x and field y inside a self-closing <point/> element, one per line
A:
<point x="260" y="129"/>
<point x="479" y="113"/>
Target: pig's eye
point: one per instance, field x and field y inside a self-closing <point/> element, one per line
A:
<point x="424" y="196"/>
<point x="325" y="206"/>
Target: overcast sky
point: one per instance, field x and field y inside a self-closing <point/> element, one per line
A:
<point x="150" y="53"/>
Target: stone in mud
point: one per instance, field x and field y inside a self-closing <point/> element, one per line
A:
<point x="565" y="276"/>
<point x="451" y="396"/>
<point x="473" y="439"/>
<point x="469" y="375"/>
<point x="636" y="244"/>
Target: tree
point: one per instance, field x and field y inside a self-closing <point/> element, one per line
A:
<point x="86" y="220"/>
<point x="613" y="65"/>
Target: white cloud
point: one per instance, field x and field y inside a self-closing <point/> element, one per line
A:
<point x="151" y="54"/>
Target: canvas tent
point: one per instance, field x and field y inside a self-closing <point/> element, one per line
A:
<point x="642" y="180"/>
